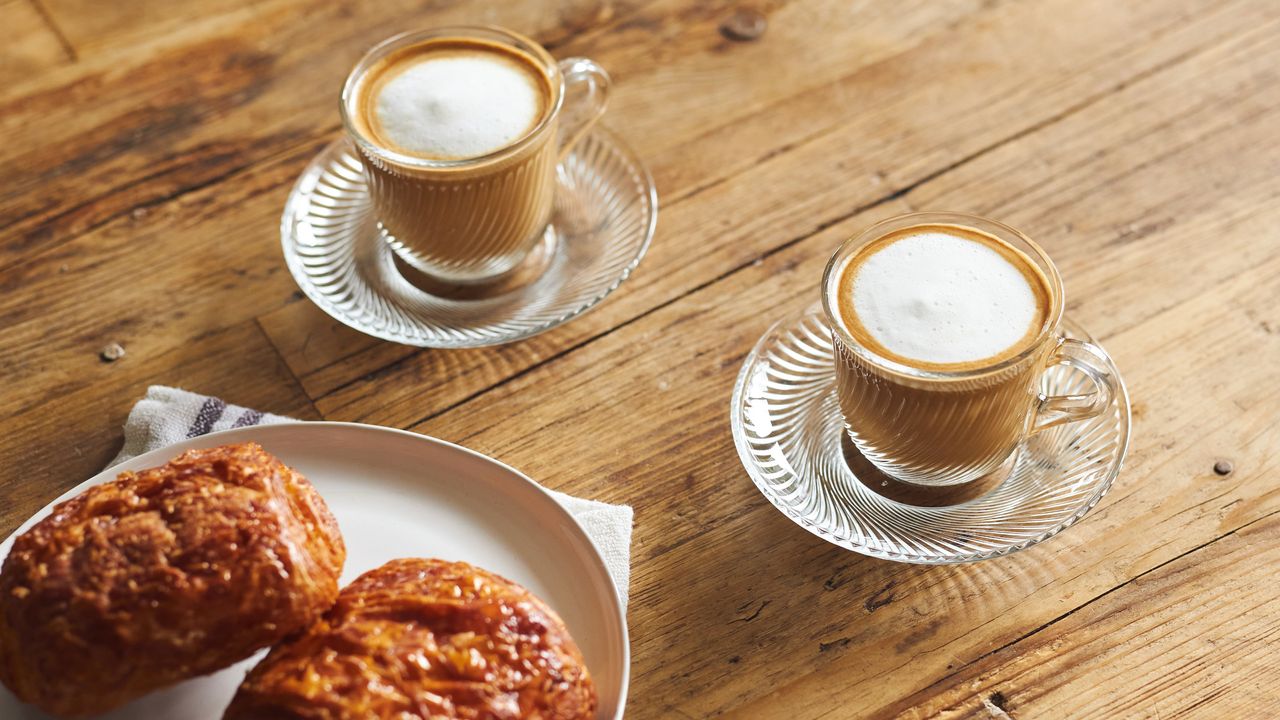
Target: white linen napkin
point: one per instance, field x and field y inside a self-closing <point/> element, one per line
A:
<point x="169" y="415"/>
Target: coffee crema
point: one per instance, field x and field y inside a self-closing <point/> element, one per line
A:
<point x="942" y="298"/>
<point x="452" y="99"/>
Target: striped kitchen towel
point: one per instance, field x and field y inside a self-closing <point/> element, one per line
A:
<point x="169" y="415"/>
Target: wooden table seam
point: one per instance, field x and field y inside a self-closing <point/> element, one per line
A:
<point x="924" y="691"/>
<point x="266" y="336"/>
<point x="56" y="29"/>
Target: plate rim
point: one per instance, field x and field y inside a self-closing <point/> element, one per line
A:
<point x="737" y="401"/>
<point x="147" y="459"/>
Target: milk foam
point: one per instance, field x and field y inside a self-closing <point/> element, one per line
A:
<point x="458" y="105"/>
<point x="940" y="298"/>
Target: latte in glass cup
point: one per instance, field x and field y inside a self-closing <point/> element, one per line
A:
<point x="943" y="325"/>
<point x="459" y="132"/>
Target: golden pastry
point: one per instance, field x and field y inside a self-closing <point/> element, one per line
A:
<point x="418" y="639"/>
<point x="163" y="575"/>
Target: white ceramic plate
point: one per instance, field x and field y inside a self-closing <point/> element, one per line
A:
<point x="399" y="494"/>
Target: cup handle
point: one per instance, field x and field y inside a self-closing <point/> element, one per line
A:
<point x="1095" y="364"/>
<point x="586" y="89"/>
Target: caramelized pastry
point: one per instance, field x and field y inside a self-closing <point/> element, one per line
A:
<point x="163" y="575"/>
<point x="424" y="639"/>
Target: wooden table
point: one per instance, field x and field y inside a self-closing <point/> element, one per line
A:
<point x="148" y="147"/>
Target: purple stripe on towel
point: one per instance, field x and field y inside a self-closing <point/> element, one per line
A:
<point x="210" y="411"/>
<point x="250" y="417"/>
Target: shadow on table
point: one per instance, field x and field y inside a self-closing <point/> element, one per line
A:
<point x="791" y="590"/>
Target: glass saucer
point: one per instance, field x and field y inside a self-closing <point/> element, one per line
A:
<point x="605" y="213"/>
<point x="790" y="436"/>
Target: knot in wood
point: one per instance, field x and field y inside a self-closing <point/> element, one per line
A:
<point x="112" y="352"/>
<point x="744" y="26"/>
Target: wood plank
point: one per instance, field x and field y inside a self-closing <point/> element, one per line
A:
<point x="642" y="421"/>
<point x="992" y="103"/>
<point x="32" y="46"/>
<point x="154" y="282"/>
<point x="1134" y="530"/>
<point x="49" y="285"/>
<point x="192" y="106"/>
<point x="249" y="205"/>
<point x="122" y="29"/>
<point x="680" y="78"/>
<point x="1134" y="140"/>
<point x="70" y="437"/>
<point x="1192" y="638"/>
<point x="242" y="199"/>
<point x="753" y="588"/>
<point x="125" y="29"/>
<point x="244" y="206"/>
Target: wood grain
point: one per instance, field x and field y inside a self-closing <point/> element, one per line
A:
<point x="693" y="507"/>
<point x="1188" y="638"/>
<point x="248" y="200"/>
<point x="842" y="174"/>
<point x="181" y="110"/>
<point x="33" y="44"/>
<point x="778" y="592"/>
<point x="150" y="146"/>
<point x="71" y="436"/>
<point x="154" y="281"/>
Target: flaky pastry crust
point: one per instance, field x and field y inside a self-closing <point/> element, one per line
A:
<point x="424" y="639"/>
<point x="163" y="575"/>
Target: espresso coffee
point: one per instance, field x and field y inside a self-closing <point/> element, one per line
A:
<point x="939" y="299"/>
<point x="458" y="139"/>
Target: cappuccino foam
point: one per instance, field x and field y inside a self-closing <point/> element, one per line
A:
<point x="933" y="295"/>
<point x="456" y="103"/>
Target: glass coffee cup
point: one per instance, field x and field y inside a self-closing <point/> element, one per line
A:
<point x="468" y="213"/>
<point x="931" y="415"/>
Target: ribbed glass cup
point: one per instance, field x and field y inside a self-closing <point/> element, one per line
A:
<point x="473" y="220"/>
<point x="605" y="213"/>
<point x="790" y="436"/>
<point x="948" y="427"/>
